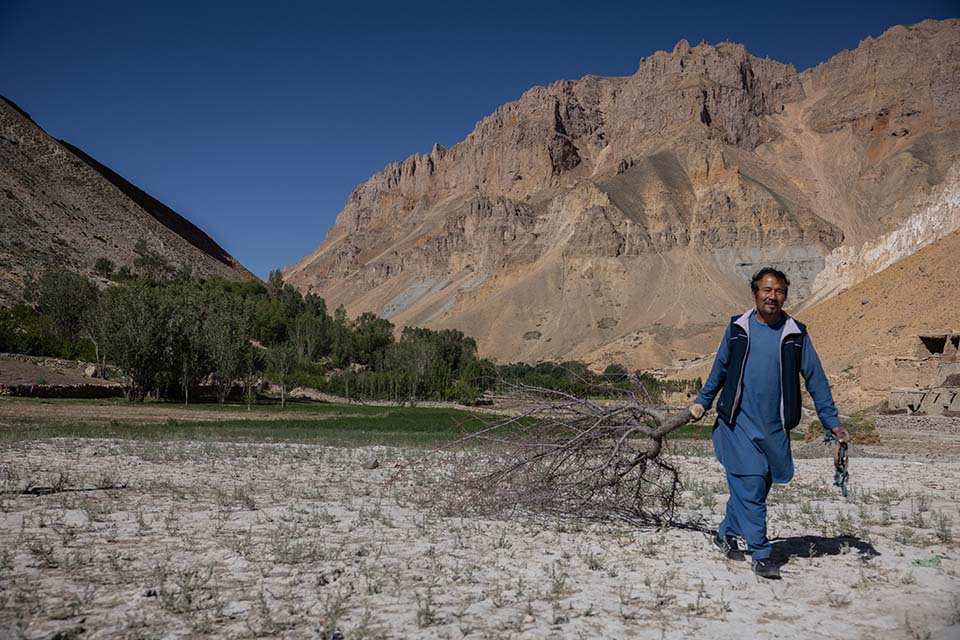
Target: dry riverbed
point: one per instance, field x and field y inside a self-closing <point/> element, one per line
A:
<point x="179" y="539"/>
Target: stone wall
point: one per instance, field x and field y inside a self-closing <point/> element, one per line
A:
<point x="62" y="390"/>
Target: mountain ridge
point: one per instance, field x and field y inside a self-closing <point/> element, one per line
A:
<point x="160" y="212"/>
<point x="582" y="196"/>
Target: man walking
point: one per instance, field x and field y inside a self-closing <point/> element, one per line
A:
<point x="757" y="374"/>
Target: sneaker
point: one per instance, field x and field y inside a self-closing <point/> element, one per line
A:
<point x="765" y="568"/>
<point x="728" y="547"/>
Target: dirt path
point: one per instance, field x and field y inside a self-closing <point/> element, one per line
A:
<point x="919" y="437"/>
<point x="20" y="369"/>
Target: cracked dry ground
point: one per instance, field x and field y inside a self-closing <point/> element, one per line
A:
<point x="274" y="540"/>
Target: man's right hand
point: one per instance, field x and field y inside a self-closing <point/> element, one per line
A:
<point x="841" y="434"/>
<point x="696" y="411"/>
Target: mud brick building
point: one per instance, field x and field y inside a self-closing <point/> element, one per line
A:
<point x="935" y="372"/>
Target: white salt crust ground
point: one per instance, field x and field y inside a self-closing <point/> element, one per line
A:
<point x="231" y="541"/>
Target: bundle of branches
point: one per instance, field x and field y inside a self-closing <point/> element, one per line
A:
<point x="573" y="457"/>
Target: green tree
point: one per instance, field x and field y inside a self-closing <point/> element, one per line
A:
<point x="23" y="330"/>
<point x="615" y="373"/>
<point x="67" y="299"/>
<point x="124" y="274"/>
<point x="372" y="336"/>
<point x="190" y="353"/>
<point x="291" y="300"/>
<point x="270" y="321"/>
<point x="317" y="306"/>
<point x="150" y="264"/>
<point x="104" y="267"/>
<point x="68" y="305"/>
<point x="456" y="349"/>
<point x="414" y="355"/>
<point x="308" y="336"/>
<point x="226" y="330"/>
<point x="478" y="375"/>
<point x="136" y="335"/>
<point x="281" y="360"/>
<point x="275" y="283"/>
<point x="276" y="313"/>
<point x="342" y="342"/>
<point x="253" y="368"/>
<point x="651" y="384"/>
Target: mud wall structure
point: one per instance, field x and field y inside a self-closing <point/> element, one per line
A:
<point x="934" y="371"/>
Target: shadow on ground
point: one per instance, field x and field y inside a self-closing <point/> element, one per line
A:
<point x="816" y="546"/>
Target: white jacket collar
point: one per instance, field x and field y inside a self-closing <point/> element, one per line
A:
<point x="744" y="320"/>
<point x="790" y="326"/>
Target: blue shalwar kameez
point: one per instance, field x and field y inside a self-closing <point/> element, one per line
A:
<point x="756" y="452"/>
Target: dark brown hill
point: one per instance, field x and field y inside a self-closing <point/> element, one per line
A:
<point x="60" y="207"/>
<point x="163" y="214"/>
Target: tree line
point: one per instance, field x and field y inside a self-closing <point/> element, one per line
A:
<point x="172" y="333"/>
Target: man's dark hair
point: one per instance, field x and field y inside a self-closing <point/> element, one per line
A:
<point x="769" y="271"/>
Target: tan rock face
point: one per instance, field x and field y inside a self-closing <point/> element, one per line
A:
<point x="876" y="323"/>
<point x="932" y="220"/>
<point x="619" y="218"/>
<point x="59" y="207"/>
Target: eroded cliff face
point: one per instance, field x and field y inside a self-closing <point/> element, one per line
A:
<point x="618" y="218"/>
<point x="936" y="218"/>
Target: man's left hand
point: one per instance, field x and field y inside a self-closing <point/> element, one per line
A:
<point x="841" y="433"/>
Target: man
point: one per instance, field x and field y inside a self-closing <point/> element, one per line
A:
<point x="757" y="373"/>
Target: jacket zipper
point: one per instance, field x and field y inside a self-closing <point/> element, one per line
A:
<point x="783" y="422"/>
<point x="783" y="425"/>
<point x="743" y="367"/>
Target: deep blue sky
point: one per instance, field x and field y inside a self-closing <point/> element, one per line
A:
<point x="256" y="120"/>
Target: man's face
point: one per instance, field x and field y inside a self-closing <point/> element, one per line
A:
<point x="770" y="296"/>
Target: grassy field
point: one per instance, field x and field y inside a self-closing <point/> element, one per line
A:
<point x="303" y="422"/>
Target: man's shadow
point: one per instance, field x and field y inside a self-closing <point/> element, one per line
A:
<point x="819" y="546"/>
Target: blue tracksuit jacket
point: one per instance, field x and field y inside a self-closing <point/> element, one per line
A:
<point x="755" y="441"/>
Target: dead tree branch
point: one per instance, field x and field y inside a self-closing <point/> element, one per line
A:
<point x="574" y="457"/>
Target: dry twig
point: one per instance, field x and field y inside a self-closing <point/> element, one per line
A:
<point x="574" y="457"/>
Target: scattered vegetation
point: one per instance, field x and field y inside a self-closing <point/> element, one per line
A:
<point x="233" y="538"/>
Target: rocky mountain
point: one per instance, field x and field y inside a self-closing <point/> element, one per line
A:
<point x="618" y="219"/>
<point x="933" y="218"/>
<point x="60" y="207"/>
